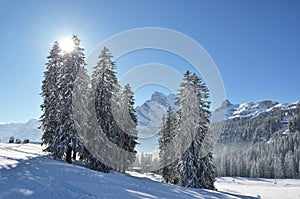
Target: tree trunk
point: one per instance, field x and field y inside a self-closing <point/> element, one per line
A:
<point x="69" y="155"/>
<point x="74" y="155"/>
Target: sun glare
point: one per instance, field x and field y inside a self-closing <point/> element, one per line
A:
<point x="67" y="45"/>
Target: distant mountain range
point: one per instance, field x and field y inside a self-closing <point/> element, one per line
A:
<point x="21" y="130"/>
<point x="254" y="121"/>
<point x="251" y="109"/>
<point x="150" y="113"/>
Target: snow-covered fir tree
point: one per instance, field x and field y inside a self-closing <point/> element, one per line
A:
<point x="195" y="164"/>
<point x="115" y="115"/>
<point x="50" y="96"/>
<point x="67" y="139"/>
<point x="104" y="84"/>
<point x="95" y="141"/>
<point x="167" y="157"/>
<point x="207" y="169"/>
<point x="81" y="111"/>
<point x="127" y="123"/>
<point x="278" y="171"/>
<point x="289" y="169"/>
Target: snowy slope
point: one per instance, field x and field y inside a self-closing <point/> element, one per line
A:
<point x="26" y="172"/>
<point x="21" y="130"/>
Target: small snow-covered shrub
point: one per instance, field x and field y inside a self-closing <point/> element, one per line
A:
<point x="11" y="139"/>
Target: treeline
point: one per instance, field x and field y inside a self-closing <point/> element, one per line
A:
<point x="146" y="162"/>
<point x="80" y="115"/>
<point x="267" y="146"/>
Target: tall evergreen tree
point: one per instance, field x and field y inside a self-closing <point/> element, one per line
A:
<point x="95" y="141"/>
<point x="80" y="102"/>
<point x="105" y="89"/>
<point x="50" y="97"/>
<point x="104" y="83"/>
<point x="166" y="146"/>
<point x="278" y="171"/>
<point x="207" y="169"/>
<point x="188" y="124"/>
<point x="127" y="123"/>
<point x="67" y="138"/>
<point x="195" y="165"/>
<point x="289" y="165"/>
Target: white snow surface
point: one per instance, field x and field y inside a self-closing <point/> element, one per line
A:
<point x="261" y="187"/>
<point x="27" y="172"/>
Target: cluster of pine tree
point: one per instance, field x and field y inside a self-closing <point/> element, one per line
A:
<point x="103" y="111"/>
<point x="185" y="147"/>
<point x="147" y="162"/>
<point x="276" y="159"/>
<point x="272" y="150"/>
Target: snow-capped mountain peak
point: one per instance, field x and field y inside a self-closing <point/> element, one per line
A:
<point x="251" y="109"/>
<point x="149" y="117"/>
<point x="158" y="101"/>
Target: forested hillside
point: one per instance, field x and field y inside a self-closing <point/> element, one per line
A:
<point x="262" y="141"/>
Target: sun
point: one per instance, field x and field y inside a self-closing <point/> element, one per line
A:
<point x="67" y="45"/>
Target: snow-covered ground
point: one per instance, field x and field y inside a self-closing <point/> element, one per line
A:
<point x="261" y="187"/>
<point x="27" y="172"/>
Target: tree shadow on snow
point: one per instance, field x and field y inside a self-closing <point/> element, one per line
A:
<point x="43" y="177"/>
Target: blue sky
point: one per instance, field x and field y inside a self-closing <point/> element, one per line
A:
<point x="255" y="44"/>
